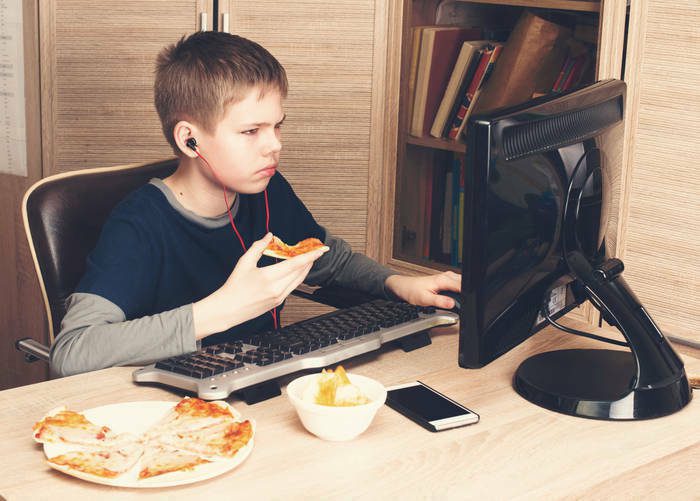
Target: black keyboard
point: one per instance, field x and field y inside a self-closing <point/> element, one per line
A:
<point x="218" y="370"/>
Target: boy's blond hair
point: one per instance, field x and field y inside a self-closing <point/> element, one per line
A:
<point x="199" y="76"/>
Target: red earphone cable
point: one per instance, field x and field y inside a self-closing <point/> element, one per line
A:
<point x="273" y="312"/>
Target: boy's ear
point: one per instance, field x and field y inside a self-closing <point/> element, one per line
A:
<point x="182" y="132"/>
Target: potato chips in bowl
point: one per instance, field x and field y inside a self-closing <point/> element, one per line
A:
<point x="334" y="405"/>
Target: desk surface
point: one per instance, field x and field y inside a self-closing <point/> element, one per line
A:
<point x="517" y="450"/>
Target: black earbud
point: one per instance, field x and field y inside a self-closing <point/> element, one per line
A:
<point x="192" y="144"/>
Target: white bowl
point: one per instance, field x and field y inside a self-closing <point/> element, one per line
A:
<point x="337" y="423"/>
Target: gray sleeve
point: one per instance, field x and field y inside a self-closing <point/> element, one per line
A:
<point x="95" y="335"/>
<point x="342" y="267"/>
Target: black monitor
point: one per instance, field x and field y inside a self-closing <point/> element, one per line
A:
<point x="536" y="207"/>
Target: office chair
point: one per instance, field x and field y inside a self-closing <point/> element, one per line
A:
<point x="63" y="217"/>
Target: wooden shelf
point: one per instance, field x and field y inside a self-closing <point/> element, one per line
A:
<point x="575" y="5"/>
<point x="439" y="144"/>
<point x="421" y="265"/>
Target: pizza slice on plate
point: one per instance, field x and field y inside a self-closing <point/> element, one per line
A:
<point x="194" y="414"/>
<point x="212" y="443"/>
<point x="106" y="463"/>
<point x="159" y="459"/>
<point x="64" y="426"/>
<point x="278" y="249"/>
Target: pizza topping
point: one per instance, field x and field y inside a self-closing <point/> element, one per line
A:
<point x="278" y="249"/>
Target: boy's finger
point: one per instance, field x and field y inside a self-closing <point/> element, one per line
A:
<point x="254" y="253"/>
<point x="297" y="279"/>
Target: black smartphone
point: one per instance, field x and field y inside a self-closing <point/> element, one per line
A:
<point x="428" y="407"/>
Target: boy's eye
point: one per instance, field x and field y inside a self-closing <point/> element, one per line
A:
<point x="278" y="126"/>
<point x="250" y="132"/>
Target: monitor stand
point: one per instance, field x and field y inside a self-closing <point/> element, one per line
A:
<point x="647" y="382"/>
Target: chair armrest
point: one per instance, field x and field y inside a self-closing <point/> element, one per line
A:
<point x="33" y="350"/>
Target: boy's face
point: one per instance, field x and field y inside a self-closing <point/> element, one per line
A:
<point x="244" y="149"/>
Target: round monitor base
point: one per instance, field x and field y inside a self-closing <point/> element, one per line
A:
<point x="597" y="384"/>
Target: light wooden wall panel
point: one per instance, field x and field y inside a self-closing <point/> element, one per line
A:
<point x="328" y="51"/>
<point x="97" y="79"/>
<point x="660" y="222"/>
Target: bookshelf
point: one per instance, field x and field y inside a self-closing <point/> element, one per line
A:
<point x="408" y="232"/>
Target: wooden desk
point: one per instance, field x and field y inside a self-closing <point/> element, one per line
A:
<point x="516" y="450"/>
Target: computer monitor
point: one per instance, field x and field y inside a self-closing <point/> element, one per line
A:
<point x="536" y="208"/>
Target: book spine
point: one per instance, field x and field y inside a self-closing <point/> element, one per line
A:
<point x="468" y="76"/>
<point x="447" y="215"/>
<point x="556" y="87"/>
<point x="460" y="234"/>
<point x="422" y="77"/>
<point x="489" y="69"/>
<point x="576" y="72"/>
<point x="413" y="71"/>
<point x="469" y="94"/>
<point x="454" y="233"/>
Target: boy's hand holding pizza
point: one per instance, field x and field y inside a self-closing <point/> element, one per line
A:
<point x="251" y="291"/>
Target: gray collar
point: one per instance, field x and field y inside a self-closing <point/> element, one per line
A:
<point x="207" y="222"/>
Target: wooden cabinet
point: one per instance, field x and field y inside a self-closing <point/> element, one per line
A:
<point x="97" y="63"/>
<point x="404" y="227"/>
<point x="659" y="222"/>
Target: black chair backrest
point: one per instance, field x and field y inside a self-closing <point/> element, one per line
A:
<point x="63" y="218"/>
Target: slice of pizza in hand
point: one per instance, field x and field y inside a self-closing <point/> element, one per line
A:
<point x="278" y="249"/>
<point x="159" y="459"/>
<point x="107" y="463"/>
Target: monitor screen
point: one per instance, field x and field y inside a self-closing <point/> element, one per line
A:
<point x="523" y="163"/>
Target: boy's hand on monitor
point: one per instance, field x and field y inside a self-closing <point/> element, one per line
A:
<point x="425" y="290"/>
<point x="251" y="291"/>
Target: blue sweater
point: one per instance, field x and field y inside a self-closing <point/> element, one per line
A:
<point x="150" y="258"/>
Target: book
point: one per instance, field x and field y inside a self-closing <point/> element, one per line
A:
<point x="580" y="66"/>
<point x="439" y="48"/>
<point x="468" y="52"/>
<point x="457" y="230"/>
<point x="414" y="200"/>
<point x="563" y="74"/>
<point x="413" y="69"/>
<point x="586" y="33"/>
<point x="447" y="216"/>
<point x="473" y="66"/>
<point x="437" y="214"/>
<point x="530" y="62"/>
<point x="487" y="61"/>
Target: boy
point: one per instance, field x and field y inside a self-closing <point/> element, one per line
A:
<point x="174" y="265"/>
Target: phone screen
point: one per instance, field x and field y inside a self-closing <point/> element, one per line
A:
<point x="425" y="402"/>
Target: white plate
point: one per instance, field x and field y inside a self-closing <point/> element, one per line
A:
<point x="136" y="418"/>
